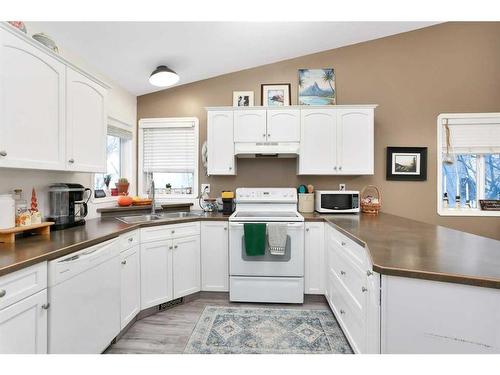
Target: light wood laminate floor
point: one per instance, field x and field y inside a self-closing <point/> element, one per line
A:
<point x="169" y="331"/>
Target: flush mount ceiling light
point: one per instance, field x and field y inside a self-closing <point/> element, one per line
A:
<point x="163" y="76"/>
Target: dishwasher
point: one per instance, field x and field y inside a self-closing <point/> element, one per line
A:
<point x="84" y="297"/>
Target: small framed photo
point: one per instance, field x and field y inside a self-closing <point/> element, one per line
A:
<point x="407" y="163"/>
<point x="243" y="99"/>
<point x="275" y="95"/>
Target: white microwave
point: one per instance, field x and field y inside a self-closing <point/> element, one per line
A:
<point x="336" y="201"/>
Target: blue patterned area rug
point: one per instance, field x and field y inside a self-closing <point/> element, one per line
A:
<point x="234" y="330"/>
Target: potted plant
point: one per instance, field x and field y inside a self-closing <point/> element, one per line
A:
<point x="122" y="186"/>
<point x="168" y="188"/>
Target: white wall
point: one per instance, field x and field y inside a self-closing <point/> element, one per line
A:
<point x="122" y="107"/>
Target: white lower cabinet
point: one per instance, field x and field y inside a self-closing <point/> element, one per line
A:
<point x="130" y="285"/>
<point x="23" y="326"/>
<point x="314" y="262"/>
<point x="214" y="256"/>
<point x="186" y="266"/>
<point x="156" y="273"/>
<point x="352" y="290"/>
<point x="170" y="262"/>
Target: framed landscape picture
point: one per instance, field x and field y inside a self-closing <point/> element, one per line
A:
<point x="317" y="87"/>
<point x="407" y="163"/>
<point x="275" y="95"/>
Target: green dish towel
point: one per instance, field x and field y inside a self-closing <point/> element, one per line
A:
<point x="255" y="238"/>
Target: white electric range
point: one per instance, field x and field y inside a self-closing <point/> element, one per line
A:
<point x="266" y="278"/>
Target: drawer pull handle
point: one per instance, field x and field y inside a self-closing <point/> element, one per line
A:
<point x="363" y="289"/>
<point x="3" y="292"/>
<point x="342" y="272"/>
<point x="124" y="262"/>
<point x="3" y="153"/>
<point x="369" y="273"/>
<point x="342" y="312"/>
<point x="46" y="306"/>
<point x="343" y="243"/>
<point x="71" y="161"/>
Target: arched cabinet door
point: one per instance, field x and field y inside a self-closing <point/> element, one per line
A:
<point x="86" y="117"/>
<point x="32" y="106"/>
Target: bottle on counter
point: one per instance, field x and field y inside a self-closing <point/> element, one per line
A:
<point x="23" y="215"/>
<point x="7" y="212"/>
<point x="446" y="201"/>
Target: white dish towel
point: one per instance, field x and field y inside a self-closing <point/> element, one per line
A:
<point x="276" y="238"/>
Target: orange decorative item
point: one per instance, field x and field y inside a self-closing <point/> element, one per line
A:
<point x="371" y="204"/>
<point x="124" y="201"/>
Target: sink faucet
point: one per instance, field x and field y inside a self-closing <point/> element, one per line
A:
<point x="153" y="201"/>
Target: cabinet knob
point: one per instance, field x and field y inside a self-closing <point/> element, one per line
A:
<point x="71" y="161"/>
<point x="363" y="289"/>
<point x="124" y="262"/>
<point x="225" y="228"/>
<point x="342" y="272"/>
<point x="268" y="135"/>
<point x="264" y="135"/>
<point x="343" y="243"/>
<point x="130" y="239"/>
<point x="3" y="153"/>
<point x="170" y="247"/>
<point x="230" y="168"/>
<point x="369" y="273"/>
<point x="46" y="306"/>
<point x="307" y="229"/>
<point x="335" y="168"/>
<point x="342" y="312"/>
<point x="173" y="231"/>
<point x="340" y="168"/>
<point x="3" y="292"/>
<point x="175" y="247"/>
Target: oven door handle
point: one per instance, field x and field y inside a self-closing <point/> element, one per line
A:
<point x="290" y="225"/>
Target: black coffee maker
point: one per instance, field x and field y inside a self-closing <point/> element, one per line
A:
<point x="68" y="205"/>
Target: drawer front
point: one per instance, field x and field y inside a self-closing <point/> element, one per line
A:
<point x="23" y="283"/>
<point x="356" y="252"/>
<point x="351" y="318"/>
<point x="166" y="232"/>
<point x="129" y="240"/>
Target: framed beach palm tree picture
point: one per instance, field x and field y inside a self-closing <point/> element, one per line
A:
<point x="317" y="87"/>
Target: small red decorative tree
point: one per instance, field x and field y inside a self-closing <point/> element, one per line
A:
<point x="34" y="201"/>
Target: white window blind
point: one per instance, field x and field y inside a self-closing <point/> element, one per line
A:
<point x="472" y="135"/>
<point x="170" y="148"/>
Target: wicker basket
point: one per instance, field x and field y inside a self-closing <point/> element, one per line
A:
<point x="370" y="208"/>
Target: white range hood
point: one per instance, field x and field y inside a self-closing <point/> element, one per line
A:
<point x="266" y="149"/>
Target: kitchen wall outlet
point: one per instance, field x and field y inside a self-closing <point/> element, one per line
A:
<point x="205" y="186"/>
<point x="342" y="187"/>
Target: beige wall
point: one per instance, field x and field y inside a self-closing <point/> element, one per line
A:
<point x="453" y="67"/>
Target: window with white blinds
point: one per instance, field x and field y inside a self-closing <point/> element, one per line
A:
<point x="469" y="163"/>
<point x="169" y="155"/>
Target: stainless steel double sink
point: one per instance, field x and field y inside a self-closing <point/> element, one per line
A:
<point x="158" y="217"/>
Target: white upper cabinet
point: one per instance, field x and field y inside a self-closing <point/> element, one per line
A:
<point x="86" y="119"/>
<point x="250" y="125"/>
<point x="355" y="146"/>
<point x="32" y="106"/>
<point x="318" y="140"/>
<point x="220" y="143"/>
<point x="52" y="115"/>
<point x="283" y="125"/>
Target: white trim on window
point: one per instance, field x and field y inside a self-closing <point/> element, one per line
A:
<point x="162" y="123"/>
<point x="467" y="119"/>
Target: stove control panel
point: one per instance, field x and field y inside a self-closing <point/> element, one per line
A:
<point x="263" y="195"/>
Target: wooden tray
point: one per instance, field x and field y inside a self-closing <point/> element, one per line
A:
<point x="9" y="235"/>
<point x="142" y="203"/>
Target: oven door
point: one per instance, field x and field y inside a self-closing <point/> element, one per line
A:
<point x="290" y="264"/>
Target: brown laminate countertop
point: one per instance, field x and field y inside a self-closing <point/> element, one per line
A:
<point x="397" y="246"/>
